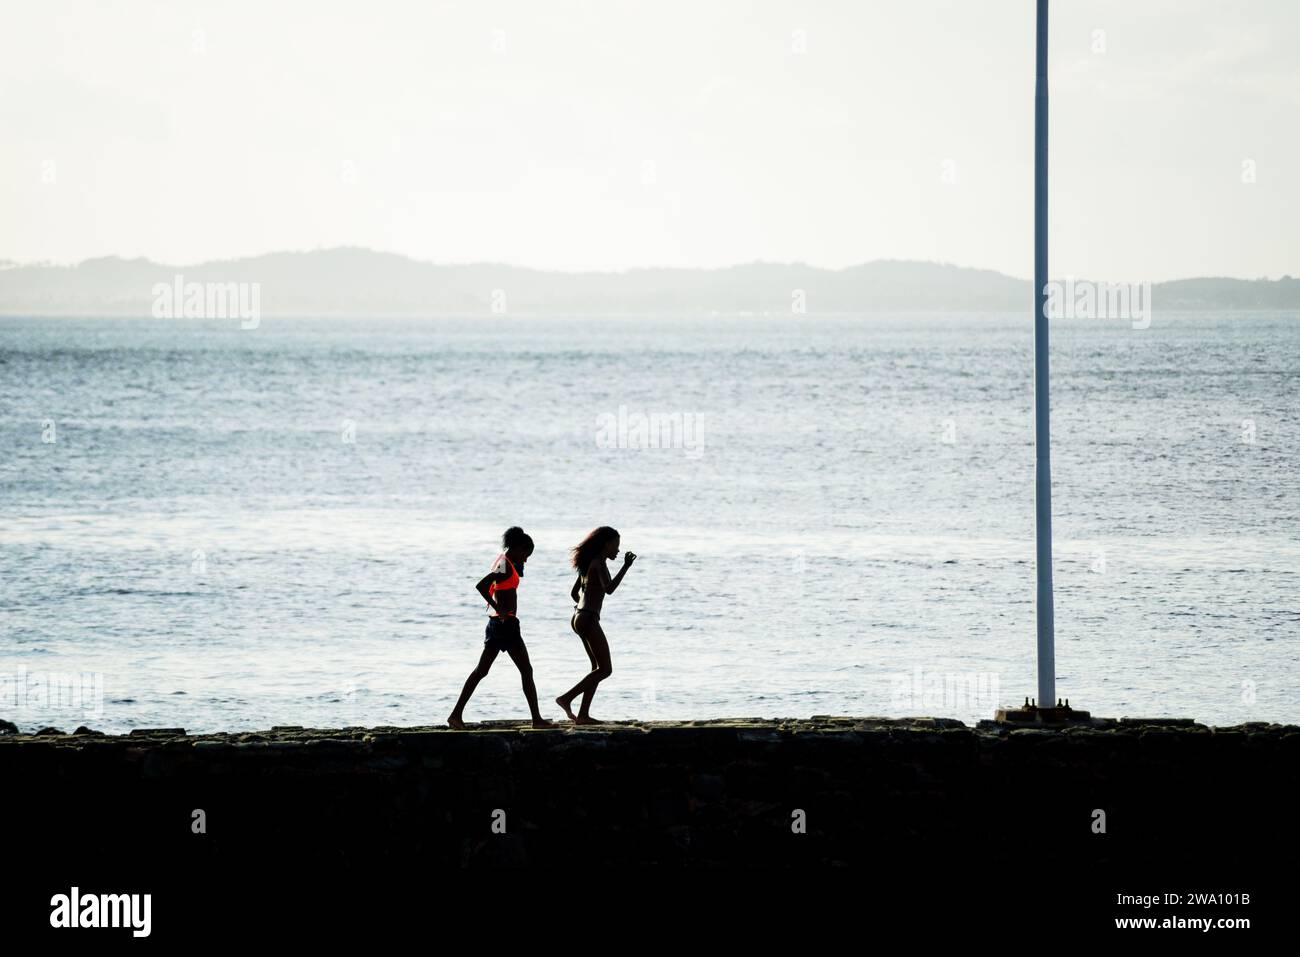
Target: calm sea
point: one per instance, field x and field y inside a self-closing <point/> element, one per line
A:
<point x="226" y="529"/>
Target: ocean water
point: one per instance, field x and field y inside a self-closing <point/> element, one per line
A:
<point x="226" y="529"/>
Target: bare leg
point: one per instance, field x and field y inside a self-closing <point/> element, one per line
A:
<point x="565" y="701"/>
<point x="519" y="654"/>
<point x="457" y="718"/>
<point x="598" y="648"/>
<point x="595" y="666"/>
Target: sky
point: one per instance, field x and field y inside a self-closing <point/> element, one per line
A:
<point x="610" y="135"/>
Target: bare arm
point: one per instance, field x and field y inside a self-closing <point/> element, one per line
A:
<point x="610" y="585"/>
<point x="482" y="587"/>
<point x="577" y="584"/>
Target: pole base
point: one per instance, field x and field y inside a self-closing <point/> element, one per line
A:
<point x="1033" y="716"/>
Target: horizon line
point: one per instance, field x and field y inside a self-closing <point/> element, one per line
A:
<point x="9" y="264"/>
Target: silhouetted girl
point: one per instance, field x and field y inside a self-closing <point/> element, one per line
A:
<point x="589" y="592"/>
<point x="498" y="588"/>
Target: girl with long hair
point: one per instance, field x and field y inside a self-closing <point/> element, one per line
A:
<point x="589" y="591"/>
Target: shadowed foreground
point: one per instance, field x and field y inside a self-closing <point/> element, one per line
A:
<point x="921" y="822"/>
<point x="868" y="791"/>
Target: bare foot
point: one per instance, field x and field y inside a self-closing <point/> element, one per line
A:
<point x="455" y="722"/>
<point x="567" y="705"/>
<point x="586" y="719"/>
<point x="543" y="723"/>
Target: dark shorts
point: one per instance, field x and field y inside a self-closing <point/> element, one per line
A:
<point x="502" y="634"/>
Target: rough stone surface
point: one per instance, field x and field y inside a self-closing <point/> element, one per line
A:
<point x="870" y="792"/>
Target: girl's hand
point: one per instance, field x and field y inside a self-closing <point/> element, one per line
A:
<point x="629" y="558"/>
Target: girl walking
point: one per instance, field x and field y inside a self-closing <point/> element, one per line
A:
<point x="589" y="591"/>
<point x="499" y="589"/>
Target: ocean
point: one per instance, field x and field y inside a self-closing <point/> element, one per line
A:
<point x="219" y="528"/>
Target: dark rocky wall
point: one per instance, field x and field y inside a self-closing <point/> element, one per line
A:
<point x="910" y="794"/>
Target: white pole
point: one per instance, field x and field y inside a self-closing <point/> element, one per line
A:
<point x="1042" y="433"/>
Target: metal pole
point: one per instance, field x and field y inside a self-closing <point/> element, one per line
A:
<point x="1042" y="433"/>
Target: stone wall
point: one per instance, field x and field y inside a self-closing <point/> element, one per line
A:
<point x="918" y="795"/>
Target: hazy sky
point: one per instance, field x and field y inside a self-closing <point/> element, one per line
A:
<point x="608" y="135"/>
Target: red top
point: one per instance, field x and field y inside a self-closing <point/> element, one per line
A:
<point x="500" y="567"/>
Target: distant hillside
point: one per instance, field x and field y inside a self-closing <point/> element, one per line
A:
<point x="363" y="282"/>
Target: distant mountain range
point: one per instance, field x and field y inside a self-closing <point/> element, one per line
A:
<point x="349" y="281"/>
